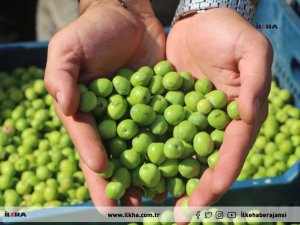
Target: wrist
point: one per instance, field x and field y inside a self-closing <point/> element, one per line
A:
<point x="141" y="8"/>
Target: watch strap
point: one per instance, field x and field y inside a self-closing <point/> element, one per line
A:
<point x="187" y="7"/>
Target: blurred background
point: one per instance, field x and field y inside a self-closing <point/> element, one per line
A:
<point x="39" y="20"/>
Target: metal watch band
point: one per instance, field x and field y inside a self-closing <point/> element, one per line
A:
<point x="187" y="7"/>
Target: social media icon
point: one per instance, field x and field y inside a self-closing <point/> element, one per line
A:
<point x="231" y="215"/>
<point x="219" y="215"/>
<point x="207" y="215"/>
<point x="198" y="213"/>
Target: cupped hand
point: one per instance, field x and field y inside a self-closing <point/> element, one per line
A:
<point x="103" y="39"/>
<point x="221" y="45"/>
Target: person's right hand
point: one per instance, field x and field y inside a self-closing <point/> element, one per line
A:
<point x="103" y="39"/>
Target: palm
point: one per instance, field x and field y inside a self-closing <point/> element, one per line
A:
<point x="204" y="52"/>
<point x="222" y="46"/>
<point x="119" y="39"/>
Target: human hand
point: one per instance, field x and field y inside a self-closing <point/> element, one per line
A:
<point x="103" y="39"/>
<point x="224" y="47"/>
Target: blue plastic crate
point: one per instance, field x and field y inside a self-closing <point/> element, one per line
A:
<point x="23" y="55"/>
<point x="285" y="41"/>
<point x="276" y="191"/>
<point x="281" y="190"/>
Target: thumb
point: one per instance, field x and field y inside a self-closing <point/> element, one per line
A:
<point x="62" y="71"/>
<point x="255" y="73"/>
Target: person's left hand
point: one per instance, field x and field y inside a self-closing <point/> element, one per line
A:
<point x="224" y="47"/>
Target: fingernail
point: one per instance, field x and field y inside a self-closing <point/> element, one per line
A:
<point x="59" y="99"/>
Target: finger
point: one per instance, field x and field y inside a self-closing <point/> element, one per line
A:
<point x="179" y="216"/>
<point x="96" y="185"/>
<point x="214" y="183"/>
<point x="85" y="136"/>
<point x="255" y="72"/>
<point x="62" y="69"/>
<point x="203" y="196"/>
<point x="241" y="136"/>
<point x="132" y="197"/>
<point x="231" y="159"/>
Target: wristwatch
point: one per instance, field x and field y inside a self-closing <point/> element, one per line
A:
<point x="188" y="7"/>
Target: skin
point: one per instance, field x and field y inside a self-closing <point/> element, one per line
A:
<point x="84" y="57"/>
<point x="237" y="60"/>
